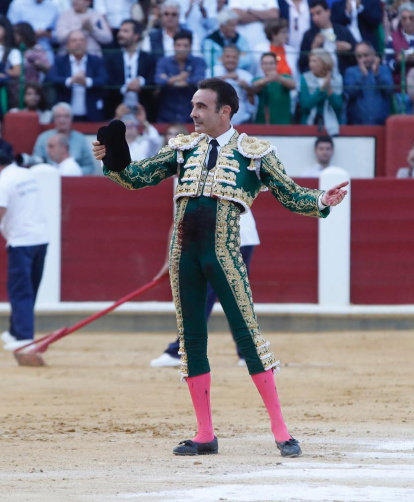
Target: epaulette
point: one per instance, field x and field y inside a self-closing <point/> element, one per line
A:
<point x="185" y="141"/>
<point x="254" y="149"/>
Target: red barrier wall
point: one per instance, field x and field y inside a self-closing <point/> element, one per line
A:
<point x="399" y="140"/>
<point x="15" y="123"/>
<point x="114" y="240"/>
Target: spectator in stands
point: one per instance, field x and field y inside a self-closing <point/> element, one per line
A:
<point x="160" y="42"/>
<point x="321" y="93"/>
<point x="4" y="78"/>
<point x="4" y="6"/>
<point x="277" y="34"/>
<point x="361" y="17"/>
<point x="41" y="14"/>
<point x="143" y="139"/>
<point x="334" y="38"/>
<point x="240" y="79"/>
<point x="93" y="24"/>
<point x="58" y="152"/>
<point x="273" y="90"/>
<point x="115" y="12"/>
<point x="4" y="145"/>
<point x="213" y="44"/>
<point x="296" y="13"/>
<point x="35" y="62"/>
<point x="178" y="76"/>
<point x="324" y="150"/>
<point x="410" y="85"/>
<point x="11" y="59"/>
<point x="252" y="17"/>
<point x="79" y="79"/>
<point x="198" y="16"/>
<point x="129" y="70"/>
<point x="402" y="41"/>
<point x="174" y="130"/>
<point x="34" y="101"/>
<point x="368" y="87"/>
<point x="62" y="5"/>
<point x="79" y="147"/>
<point x="407" y="172"/>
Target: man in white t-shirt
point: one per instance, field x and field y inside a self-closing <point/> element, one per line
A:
<point x="24" y="226"/>
<point x="324" y="149"/>
<point x="58" y="151"/>
<point x="252" y="16"/>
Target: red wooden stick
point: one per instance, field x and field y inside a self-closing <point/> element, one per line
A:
<point x="41" y="344"/>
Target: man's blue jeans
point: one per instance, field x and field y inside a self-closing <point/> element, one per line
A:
<point x="24" y="273"/>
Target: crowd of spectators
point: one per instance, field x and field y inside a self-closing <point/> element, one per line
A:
<point x="316" y="62"/>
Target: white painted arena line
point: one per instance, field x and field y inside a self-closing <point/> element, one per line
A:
<point x="311" y="481"/>
<point x="282" y="492"/>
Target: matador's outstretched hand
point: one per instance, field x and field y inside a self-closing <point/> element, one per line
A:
<point x="335" y="195"/>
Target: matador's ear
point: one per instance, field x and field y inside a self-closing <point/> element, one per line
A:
<point x="117" y="156"/>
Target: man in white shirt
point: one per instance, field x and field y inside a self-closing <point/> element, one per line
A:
<point x="324" y="149"/>
<point x="24" y="226"/>
<point x="240" y="79"/>
<point x="252" y="17"/>
<point x="114" y="11"/>
<point x="141" y="144"/>
<point x="58" y="151"/>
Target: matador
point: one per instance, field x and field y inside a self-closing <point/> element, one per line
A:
<point x="220" y="173"/>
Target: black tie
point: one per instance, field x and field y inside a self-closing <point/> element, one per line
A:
<point x="212" y="158"/>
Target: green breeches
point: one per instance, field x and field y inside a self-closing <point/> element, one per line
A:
<point x="206" y="247"/>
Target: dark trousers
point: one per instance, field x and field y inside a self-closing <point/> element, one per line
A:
<point x="24" y="273"/>
<point x="247" y="254"/>
<point x="205" y="247"/>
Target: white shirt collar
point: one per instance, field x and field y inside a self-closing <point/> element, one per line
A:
<point x="73" y="60"/>
<point x="224" y="138"/>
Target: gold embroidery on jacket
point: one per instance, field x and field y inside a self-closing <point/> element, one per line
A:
<point x="174" y="268"/>
<point x="229" y="256"/>
<point x="305" y="200"/>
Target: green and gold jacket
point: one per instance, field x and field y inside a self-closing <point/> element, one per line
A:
<point x="245" y="166"/>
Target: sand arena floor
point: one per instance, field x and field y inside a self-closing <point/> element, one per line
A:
<point x="98" y="424"/>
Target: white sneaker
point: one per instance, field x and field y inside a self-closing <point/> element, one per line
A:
<point x="7" y="337"/>
<point x="241" y="362"/>
<point x="165" y="360"/>
<point x="16" y="344"/>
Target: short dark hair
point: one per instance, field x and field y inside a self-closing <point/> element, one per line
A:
<point x="183" y="34"/>
<point x="226" y="93"/>
<point x="324" y="139"/>
<point x="265" y="54"/>
<point x="233" y="47"/>
<point x="136" y="26"/>
<point x="39" y="90"/>
<point x="27" y="33"/>
<point x="368" y="44"/>
<point x="322" y="3"/>
<point x="273" y="26"/>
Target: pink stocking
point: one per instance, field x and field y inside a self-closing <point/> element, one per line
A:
<point x="199" y="387"/>
<point x="265" y="383"/>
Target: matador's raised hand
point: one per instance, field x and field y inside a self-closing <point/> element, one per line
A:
<point x="335" y="195"/>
